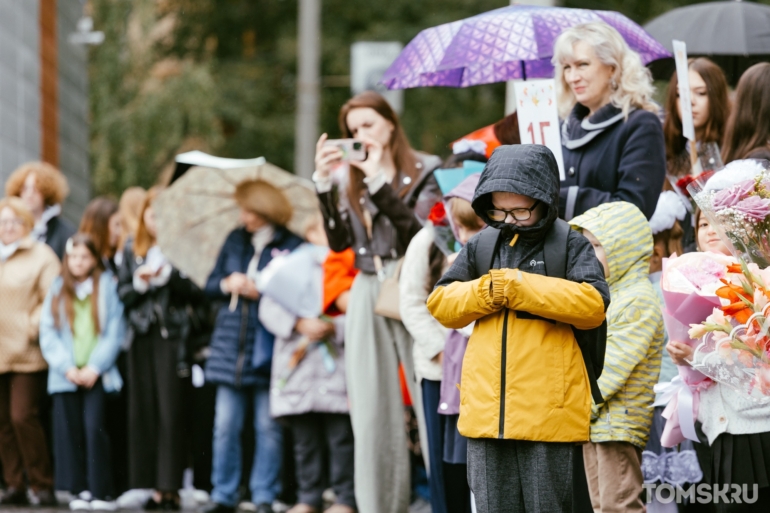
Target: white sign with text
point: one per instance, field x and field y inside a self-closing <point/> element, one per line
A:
<point x="539" y="117"/>
<point x="368" y="62"/>
<point x="683" y="77"/>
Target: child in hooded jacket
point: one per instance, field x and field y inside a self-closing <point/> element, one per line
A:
<point x="525" y="396"/>
<point x="622" y="239"/>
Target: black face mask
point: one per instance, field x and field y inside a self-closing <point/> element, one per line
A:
<point x="536" y="231"/>
<point x="530" y="170"/>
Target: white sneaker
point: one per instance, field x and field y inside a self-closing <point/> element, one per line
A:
<point x="85" y="495"/>
<point x="201" y="496"/>
<point x="104" y="505"/>
<point x="80" y="505"/>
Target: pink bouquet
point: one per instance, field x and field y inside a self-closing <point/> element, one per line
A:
<point x="689" y="284"/>
<point x="734" y="346"/>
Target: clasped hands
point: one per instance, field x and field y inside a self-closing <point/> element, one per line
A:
<point x="85" y="377"/>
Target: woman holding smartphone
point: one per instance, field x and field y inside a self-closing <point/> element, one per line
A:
<point x="376" y="213"/>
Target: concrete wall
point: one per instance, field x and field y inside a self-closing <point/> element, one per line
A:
<point x="73" y="109"/>
<point x="19" y="85"/>
<point x="20" y="103"/>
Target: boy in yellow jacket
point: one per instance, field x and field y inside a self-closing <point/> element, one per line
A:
<point x="621" y="425"/>
<point x="525" y="399"/>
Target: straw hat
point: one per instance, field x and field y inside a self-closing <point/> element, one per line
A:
<point x="264" y="199"/>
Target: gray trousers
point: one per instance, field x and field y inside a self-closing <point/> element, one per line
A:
<point x="516" y="476"/>
<point x="374" y="345"/>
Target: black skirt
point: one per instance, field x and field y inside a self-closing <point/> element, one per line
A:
<point x="735" y="459"/>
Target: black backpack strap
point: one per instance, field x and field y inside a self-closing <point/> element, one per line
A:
<point x="592" y="336"/>
<point x="555" y="256"/>
<point x="486" y="249"/>
<point x="555" y="249"/>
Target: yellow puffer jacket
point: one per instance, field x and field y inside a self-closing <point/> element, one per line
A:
<point x="634" y="325"/>
<point x="523" y="375"/>
<point x="522" y="379"/>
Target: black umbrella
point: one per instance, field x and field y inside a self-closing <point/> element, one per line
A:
<point x="733" y="34"/>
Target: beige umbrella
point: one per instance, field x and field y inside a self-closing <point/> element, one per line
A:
<point x="196" y="213"/>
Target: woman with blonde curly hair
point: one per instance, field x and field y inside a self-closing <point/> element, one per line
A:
<point x="43" y="188"/>
<point x="612" y="137"/>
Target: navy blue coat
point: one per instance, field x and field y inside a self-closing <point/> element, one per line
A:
<point x="239" y="334"/>
<point x="607" y="158"/>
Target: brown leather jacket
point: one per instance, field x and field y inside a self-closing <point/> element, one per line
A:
<point x="395" y="220"/>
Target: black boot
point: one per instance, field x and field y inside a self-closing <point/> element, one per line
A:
<point x="14" y="497"/>
<point x="42" y="498"/>
<point x="215" y="507"/>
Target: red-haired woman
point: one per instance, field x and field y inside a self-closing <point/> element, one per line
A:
<point x="43" y="188"/>
<point x="380" y="201"/>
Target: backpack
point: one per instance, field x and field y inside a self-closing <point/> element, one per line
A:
<point x="593" y="342"/>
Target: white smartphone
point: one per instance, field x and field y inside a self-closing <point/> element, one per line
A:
<point x="352" y="149"/>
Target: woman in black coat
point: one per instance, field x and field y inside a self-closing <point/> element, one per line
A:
<point x="612" y="137"/>
<point x="155" y="295"/>
<point x="612" y="140"/>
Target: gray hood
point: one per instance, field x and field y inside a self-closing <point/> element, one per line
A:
<point x="528" y="169"/>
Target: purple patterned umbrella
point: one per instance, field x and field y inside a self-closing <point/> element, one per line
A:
<point x="504" y="44"/>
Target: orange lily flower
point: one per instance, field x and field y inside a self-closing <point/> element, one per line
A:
<point x="734" y="268"/>
<point x="739" y="310"/>
<point x="733" y="292"/>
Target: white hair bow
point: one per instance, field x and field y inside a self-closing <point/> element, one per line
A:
<point x="465" y="145"/>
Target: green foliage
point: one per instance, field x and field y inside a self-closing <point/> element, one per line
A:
<point x="143" y="107"/>
<point x="220" y="75"/>
<point x="223" y="79"/>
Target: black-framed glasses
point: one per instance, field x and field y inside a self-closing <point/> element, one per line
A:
<point x="519" y="214"/>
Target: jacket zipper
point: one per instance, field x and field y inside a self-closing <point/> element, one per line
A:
<point x="503" y="364"/>
<point x="242" y="342"/>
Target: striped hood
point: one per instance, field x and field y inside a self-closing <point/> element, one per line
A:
<point x="634" y="325"/>
<point x="627" y="239"/>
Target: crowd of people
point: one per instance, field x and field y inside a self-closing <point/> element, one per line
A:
<point x="492" y="347"/>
